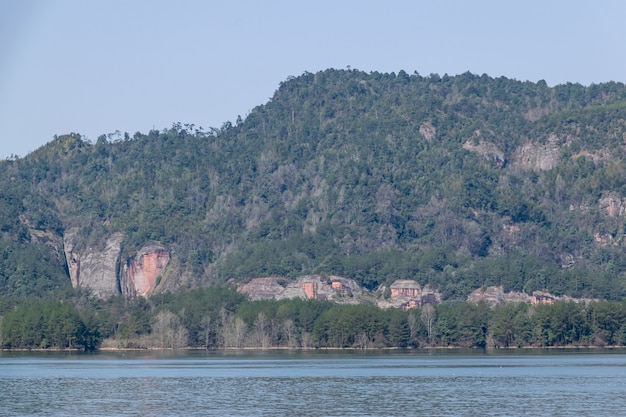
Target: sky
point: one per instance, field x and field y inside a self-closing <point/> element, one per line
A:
<point x="95" y="67"/>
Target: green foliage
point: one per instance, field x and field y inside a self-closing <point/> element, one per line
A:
<point x="511" y="325"/>
<point x="560" y="324"/>
<point x="462" y="324"/>
<point x="202" y="312"/>
<point x="217" y="318"/>
<point x="50" y="324"/>
<point x="28" y="270"/>
<point x="367" y="175"/>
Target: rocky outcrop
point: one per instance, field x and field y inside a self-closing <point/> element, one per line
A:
<point x="407" y="294"/>
<point x="141" y="274"/>
<point x="612" y="205"/>
<point x="405" y="287"/>
<point x="490" y="295"/>
<point x="94" y="268"/>
<point x="428" y="131"/>
<point x="495" y="295"/>
<point x="487" y="150"/>
<point x="539" y="157"/>
<point x="263" y="288"/>
<point x="313" y="287"/>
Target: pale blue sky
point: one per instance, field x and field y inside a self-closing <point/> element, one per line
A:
<point x="94" y="67"/>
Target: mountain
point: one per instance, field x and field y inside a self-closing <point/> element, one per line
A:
<point x="458" y="182"/>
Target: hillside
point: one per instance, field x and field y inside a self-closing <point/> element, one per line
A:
<point x="456" y="182"/>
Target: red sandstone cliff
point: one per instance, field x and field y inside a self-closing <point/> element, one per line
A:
<point x="140" y="275"/>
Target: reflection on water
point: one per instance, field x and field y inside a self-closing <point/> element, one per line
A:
<point x="314" y="383"/>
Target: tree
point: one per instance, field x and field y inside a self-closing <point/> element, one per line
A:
<point x="260" y="334"/>
<point x="169" y="331"/>
<point x="205" y="325"/>
<point x="509" y="325"/>
<point x="560" y="324"/>
<point x="608" y="323"/>
<point x="289" y="332"/>
<point x="428" y="315"/>
<point x="235" y="334"/>
<point x="398" y="328"/>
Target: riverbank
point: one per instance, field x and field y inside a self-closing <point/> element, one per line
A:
<point x="319" y="349"/>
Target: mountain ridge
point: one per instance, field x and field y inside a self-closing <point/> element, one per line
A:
<point x="457" y="182"/>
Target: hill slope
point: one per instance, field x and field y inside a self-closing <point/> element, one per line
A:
<point x="455" y="181"/>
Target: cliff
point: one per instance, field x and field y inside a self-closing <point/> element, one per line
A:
<point x="97" y="269"/>
<point x="94" y="268"/>
<point x="407" y="294"/>
<point x="141" y="275"/>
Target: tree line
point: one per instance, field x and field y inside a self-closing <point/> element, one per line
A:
<point x="220" y="318"/>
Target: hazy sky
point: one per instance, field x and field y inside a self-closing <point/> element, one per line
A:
<point x="94" y="67"/>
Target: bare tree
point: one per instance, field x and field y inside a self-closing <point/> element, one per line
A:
<point x="260" y="335"/>
<point x="205" y="324"/>
<point x="289" y="331"/>
<point x="363" y="341"/>
<point x="412" y="321"/>
<point x="428" y="316"/>
<point x="169" y="332"/>
<point x="235" y="334"/>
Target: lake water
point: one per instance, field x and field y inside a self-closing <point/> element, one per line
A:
<point x="436" y="383"/>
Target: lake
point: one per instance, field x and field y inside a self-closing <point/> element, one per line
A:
<point x="250" y="383"/>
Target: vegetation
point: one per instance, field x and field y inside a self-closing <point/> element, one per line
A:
<point x="371" y="176"/>
<point x="49" y="324"/>
<point x="218" y="318"/>
<point x="454" y="181"/>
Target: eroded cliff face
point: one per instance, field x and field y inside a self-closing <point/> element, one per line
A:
<point x="495" y="295"/>
<point x="94" y="268"/>
<point x="140" y="275"/>
<point x="536" y="156"/>
<point x="313" y="287"/>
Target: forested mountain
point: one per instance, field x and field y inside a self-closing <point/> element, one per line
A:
<point x="454" y="181"/>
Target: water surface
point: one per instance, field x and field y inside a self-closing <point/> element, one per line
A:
<point x="437" y="383"/>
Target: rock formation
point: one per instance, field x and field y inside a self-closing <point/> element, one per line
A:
<point x="140" y="275"/>
<point x="487" y="150"/>
<point x="495" y="295"/>
<point x="263" y="288"/>
<point x="407" y="294"/>
<point x="334" y="288"/>
<point x="537" y="156"/>
<point x="405" y="287"/>
<point x="94" y="268"/>
<point x="612" y="205"/>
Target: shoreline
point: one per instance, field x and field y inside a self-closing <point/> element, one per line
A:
<point x="313" y="349"/>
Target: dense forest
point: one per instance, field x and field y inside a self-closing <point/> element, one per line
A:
<point x="458" y="182"/>
<point x="220" y="318"/>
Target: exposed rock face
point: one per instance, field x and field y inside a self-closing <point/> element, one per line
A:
<point x="405" y="287"/>
<point x="491" y="295"/>
<point x="428" y="131"/>
<point x="140" y="274"/>
<point x="92" y="268"/>
<point x="612" y="205"/>
<point x="496" y="295"/>
<point x="486" y="149"/>
<point x="407" y="294"/>
<point x="334" y="288"/>
<point x="537" y="156"/>
<point x="263" y="288"/>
